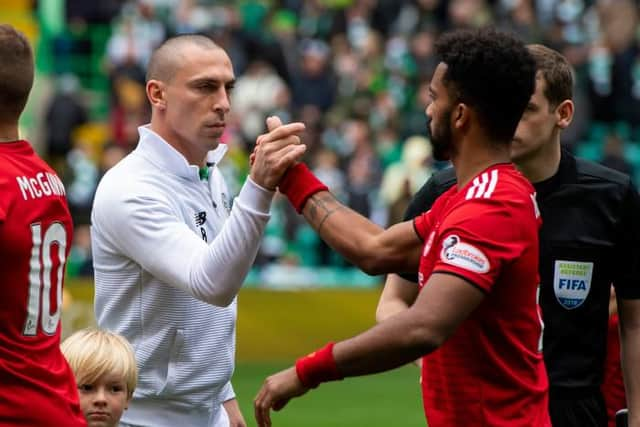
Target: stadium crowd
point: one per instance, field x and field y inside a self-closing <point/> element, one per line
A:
<point x="356" y="72"/>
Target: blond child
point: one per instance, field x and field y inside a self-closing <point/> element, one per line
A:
<point x="105" y="370"/>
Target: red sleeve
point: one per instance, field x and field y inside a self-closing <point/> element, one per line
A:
<point x="478" y="239"/>
<point x="613" y="384"/>
<point x="423" y="224"/>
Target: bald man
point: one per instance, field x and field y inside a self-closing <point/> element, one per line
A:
<point x="170" y="252"/>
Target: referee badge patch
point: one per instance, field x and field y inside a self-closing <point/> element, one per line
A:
<point x="572" y="282"/>
<point x="463" y="255"/>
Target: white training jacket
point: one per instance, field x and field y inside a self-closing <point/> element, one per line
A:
<point x="166" y="289"/>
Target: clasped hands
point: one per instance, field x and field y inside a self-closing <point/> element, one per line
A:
<point x="275" y="152"/>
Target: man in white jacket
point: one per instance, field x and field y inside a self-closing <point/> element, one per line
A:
<point x="170" y="253"/>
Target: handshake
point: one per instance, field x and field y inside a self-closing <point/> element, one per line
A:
<point x="274" y="163"/>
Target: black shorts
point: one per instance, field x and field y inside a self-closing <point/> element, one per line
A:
<point x="577" y="407"/>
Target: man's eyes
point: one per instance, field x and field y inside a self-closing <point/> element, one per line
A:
<point x="205" y="87"/>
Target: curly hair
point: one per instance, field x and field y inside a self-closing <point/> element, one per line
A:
<point x="493" y="73"/>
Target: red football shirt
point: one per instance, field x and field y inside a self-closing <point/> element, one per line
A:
<point x="613" y="384"/>
<point x="490" y="372"/>
<point x="37" y="387"/>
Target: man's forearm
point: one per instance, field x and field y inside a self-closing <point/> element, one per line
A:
<point x="359" y="240"/>
<point x="412" y="333"/>
<point x="233" y="412"/>
<point x="356" y="238"/>
<point x="342" y="228"/>
<point x="397" y="296"/>
<point x="388" y="345"/>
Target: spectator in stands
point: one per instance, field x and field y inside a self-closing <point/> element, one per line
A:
<point x="65" y="113"/>
<point x="614" y="155"/>
<point x="313" y="84"/>
<point x="257" y="94"/>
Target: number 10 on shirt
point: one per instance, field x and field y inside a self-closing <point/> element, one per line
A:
<point x="41" y="265"/>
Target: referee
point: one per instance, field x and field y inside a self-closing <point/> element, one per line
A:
<point x="590" y="239"/>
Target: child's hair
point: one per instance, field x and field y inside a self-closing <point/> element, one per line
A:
<point x="92" y="353"/>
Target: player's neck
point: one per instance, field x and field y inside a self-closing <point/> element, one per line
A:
<point x="9" y="132"/>
<point x="474" y="158"/>
<point x="541" y="165"/>
<point x="191" y="154"/>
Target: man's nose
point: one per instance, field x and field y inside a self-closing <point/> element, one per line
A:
<point x="222" y="103"/>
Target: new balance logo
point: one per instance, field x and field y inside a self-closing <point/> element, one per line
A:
<point x="483" y="185"/>
<point x="200" y="218"/>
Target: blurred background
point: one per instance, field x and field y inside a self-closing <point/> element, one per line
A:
<point x="356" y="72"/>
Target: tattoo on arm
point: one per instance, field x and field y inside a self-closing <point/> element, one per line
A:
<point x="327" y="215"/>
<point x="321" y="207"/>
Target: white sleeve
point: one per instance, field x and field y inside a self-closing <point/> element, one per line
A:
<point x="227" y="392"/>
<point x="147" y="230"/>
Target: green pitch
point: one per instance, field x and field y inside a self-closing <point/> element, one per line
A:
<point x="276" y="325"/>
<point x="390" y="399"/>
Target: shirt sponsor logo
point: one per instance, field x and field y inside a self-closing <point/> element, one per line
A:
<point x="463" y="255"/>
<point x="572" y="282"/>
<point x="200" y="218"/>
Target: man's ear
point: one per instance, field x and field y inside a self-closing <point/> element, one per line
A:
<point x="564" y="113"/>
<point x="156" y="94"/>
<point x="460" y="115"/>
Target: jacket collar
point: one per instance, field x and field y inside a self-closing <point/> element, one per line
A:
<point x="158" y="151"/>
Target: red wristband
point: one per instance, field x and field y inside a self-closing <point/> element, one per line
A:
<point x="298" y="184"/>
<point x="318" y="367"/>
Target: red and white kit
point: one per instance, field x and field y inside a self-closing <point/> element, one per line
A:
<point x="490" y="372"/>
<point x="37" y="387"/>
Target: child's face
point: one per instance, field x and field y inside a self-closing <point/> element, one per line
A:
<point x="103" y="401"/>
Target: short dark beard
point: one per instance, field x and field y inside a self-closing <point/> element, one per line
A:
<point x="442" y="142"/>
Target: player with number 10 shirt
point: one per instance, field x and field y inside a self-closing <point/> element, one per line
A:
<point x="37" y="387"/>
<point x="35" y="237"/>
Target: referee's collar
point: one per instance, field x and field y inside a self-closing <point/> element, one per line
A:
<point x="566" y="173"/>
<point x="157" y="150"/>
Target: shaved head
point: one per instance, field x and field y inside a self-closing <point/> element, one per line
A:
<point x="166" y="60"/>
<point x="189" y="80"/>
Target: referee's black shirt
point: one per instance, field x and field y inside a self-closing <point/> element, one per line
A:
<point x="590" y="239"/>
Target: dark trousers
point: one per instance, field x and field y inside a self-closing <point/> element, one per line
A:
<point x="577" y="407"/>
